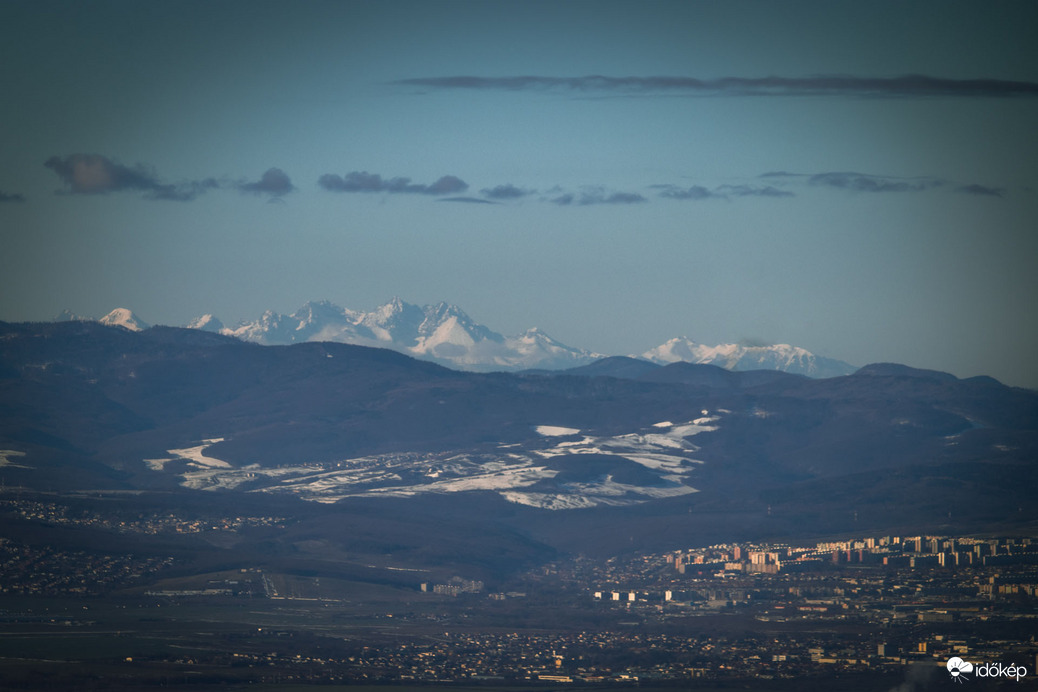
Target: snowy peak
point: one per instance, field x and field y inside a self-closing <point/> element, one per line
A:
<point x="448" y="335"/>
<point x="324" y="321"/>
<point x="396" y="321"/>
<point x="445" y="337"/>
<point x="437" y="315"/>
<point x="206" y="323"/>
<point x="679" y="349"/>
<point x="784" y="357"/>
<point x="446" y="322"/>
<point x="322" y="312"/>
<point x="534" y="339"/>
<point x="270" y="328"/>
<point x="122" y="317"/>
<point x="536" y="349"/>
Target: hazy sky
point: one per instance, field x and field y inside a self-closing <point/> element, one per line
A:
<point x="860" y="179"/>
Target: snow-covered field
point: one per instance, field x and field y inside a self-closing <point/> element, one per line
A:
<point x="7" y="454"/>
<point x="196" y="455"/>
<point x="555" y="431"/>
<point x="524" y="474"/>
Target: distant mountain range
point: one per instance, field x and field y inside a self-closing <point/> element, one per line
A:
<point x="444" y="334"/>
<point x="784" y="357"/>
<point x="653" y="453"/>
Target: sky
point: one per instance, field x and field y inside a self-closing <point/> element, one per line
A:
<point x="858" y="179"/>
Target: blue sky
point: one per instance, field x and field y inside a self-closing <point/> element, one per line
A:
<point x="615" y="173"/>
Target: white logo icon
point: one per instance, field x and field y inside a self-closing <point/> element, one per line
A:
<point x="958" y="668"/>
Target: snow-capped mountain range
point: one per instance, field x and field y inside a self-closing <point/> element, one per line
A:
<point x="443" y="333"/>
<point x="738" y="357"/>
<point x="121" y="317"/>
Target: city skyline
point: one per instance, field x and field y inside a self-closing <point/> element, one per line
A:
<point x="857" y="181"/>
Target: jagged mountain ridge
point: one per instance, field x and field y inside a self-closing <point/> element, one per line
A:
<point x="445" y="334"/>
<point x="442" y="333"/>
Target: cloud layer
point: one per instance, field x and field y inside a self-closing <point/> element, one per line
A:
<point x="870" y="183"/>
<point x="362" y="181"/>
<point x="859" y="182"/>
<point x="698" y="192"/>
<point x="92" y="174"/>
<point x="95" y="174"/>
<point x="975" y="189"/>
<point x="824" y="85"/>
<point x="274" y="182"/>
<point x="467" y="200"/>
<point x="598" y="196"/>
<point x="506" y="191"/>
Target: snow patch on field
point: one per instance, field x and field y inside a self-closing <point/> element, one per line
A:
<point x="519" y="472"/>
<point x="7" y="454"/>
<point x="196" y="455"/>
<point x="555" y="430"/>
<point x="609" y="494"/>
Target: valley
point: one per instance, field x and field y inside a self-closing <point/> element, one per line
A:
<point x="120" y="594"/>
<point x="187" y="510"/>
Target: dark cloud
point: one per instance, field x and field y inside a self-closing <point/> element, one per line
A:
<point x="616" y="198"/>
<point x="864" y="182"/>
<point x="507" y="191"/>
<point x="469" y="200"/>
<point x="975" y="189"/>
<point x="92" y="174"/>
<point x="274" y="182"/>
<point x="362" y="181"/>
<point x="598" y="196"/>
<point x="698" y="192"/>
<point x="96" y="174"/>
<point x="694" y="192"/>
<point x="184" y="192"/>
<point x="861" y="182"/>
<point x="823" y="85"/>
<point x="358" y="181"/>
<point x="11" y="197"/>
<point x="447" y="185"/>
<point x="752" y="191"/>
